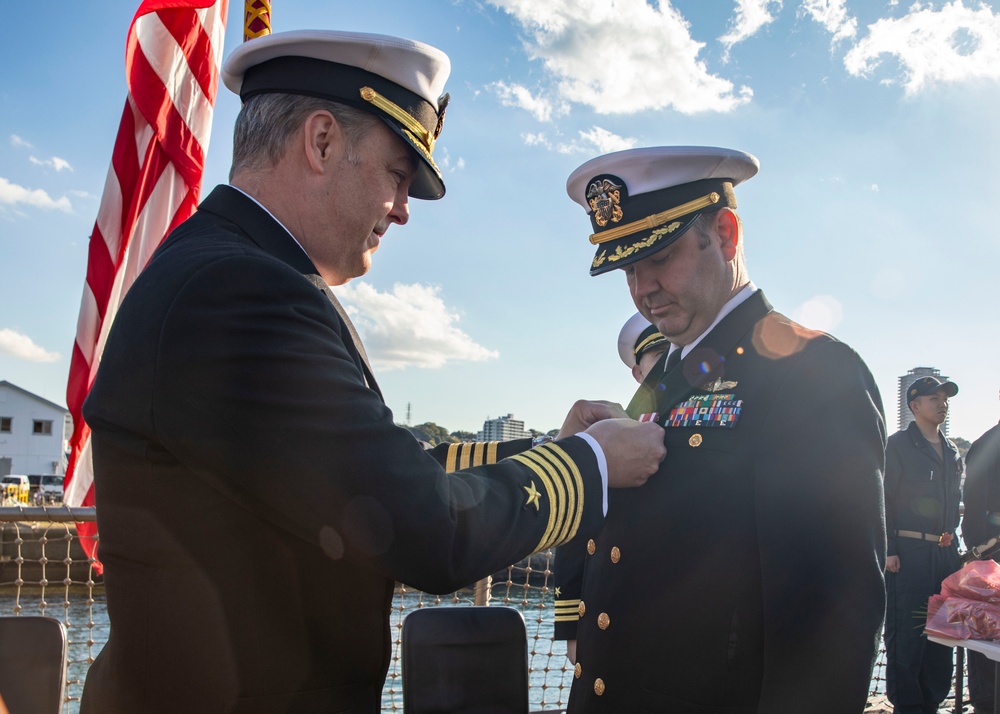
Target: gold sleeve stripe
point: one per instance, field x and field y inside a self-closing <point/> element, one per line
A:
<point x="573" y="489"/>
<point x="450" y="462"/>
<point x="564" y="509"/>
<point x="568" y="604"/>
<point x="567" y="610"/>
<point x="466" y="455"/>
<point x="574" y="484"/>
<point x="542" y="471"/>
<point x="558" y="498"/>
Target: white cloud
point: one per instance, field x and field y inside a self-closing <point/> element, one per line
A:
<point x="12" y="195"/>
<point x="594" y="141"/>
<point x="15" y="140"/>
<point x="622" y="57"/>
<point x="516" y="95"/>
<point x="54" y="163"/>
<point x="751" y="15"/>
<point x="605" y="141"/>
<point x="874" y="188"/>
<point x="538" y="139"/>
<point x="832" y="14"/>
<point x="20" y="345"/>
<point x="953" y="44"/>
<point x="445" y="163"/>
<point x="822" y="312"/>
<point x="409" y="327"/>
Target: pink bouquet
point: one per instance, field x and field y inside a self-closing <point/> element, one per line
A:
<point x="968" y="606"/>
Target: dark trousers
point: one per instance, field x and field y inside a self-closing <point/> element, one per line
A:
<point x="982" y="672"/>
<point x="918" y="672"/>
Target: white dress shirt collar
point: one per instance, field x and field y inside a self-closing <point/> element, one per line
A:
<point x="235" y="188"/>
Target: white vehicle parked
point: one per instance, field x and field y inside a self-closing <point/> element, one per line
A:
<point x="51" y="488"/>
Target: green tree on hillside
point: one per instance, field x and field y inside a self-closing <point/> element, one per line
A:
<point x="431" y="433"/>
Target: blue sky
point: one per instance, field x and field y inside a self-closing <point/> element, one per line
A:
<point x="875" y="122"/>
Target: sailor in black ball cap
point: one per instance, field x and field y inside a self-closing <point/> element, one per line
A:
<point x="747" y="576"/>
<point x="923" y="475"/>
<point x="257" y="500"/>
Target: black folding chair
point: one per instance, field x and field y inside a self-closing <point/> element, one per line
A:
<point x="32" y="664"/>
<point x="465" y="660"/>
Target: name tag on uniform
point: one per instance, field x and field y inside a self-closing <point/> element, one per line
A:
<point x="703" y="410"/>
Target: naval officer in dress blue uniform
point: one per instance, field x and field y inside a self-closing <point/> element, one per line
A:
<point x="256" y="502"/>
<point x="747" y="576"/>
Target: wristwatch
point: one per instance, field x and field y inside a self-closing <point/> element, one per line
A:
<point x="541" y="439"/>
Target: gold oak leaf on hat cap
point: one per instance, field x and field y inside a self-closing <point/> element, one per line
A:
<point x="398" y="80"/>
<point x="642" y="200"/>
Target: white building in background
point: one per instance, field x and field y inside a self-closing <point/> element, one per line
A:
<point x="502" y="428"/>
<point x="905" y="415"/>
<point x="34" y="433"/>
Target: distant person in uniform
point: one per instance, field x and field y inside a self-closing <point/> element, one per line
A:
<point x="640" y="345"/>
<point x="923" y="475"/>
<point x="256" y="502"/>
<point x="980" y="523"/>
<point x="747" y="576"/>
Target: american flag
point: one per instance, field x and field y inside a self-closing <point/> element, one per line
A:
<point x="172" y="59"/>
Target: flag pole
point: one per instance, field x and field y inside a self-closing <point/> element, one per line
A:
<point x="257" y="19"/>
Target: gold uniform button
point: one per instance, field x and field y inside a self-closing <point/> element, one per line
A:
<point x="582" y="609"/>
<point x="591" y="546"/>
<point x="578" y="670"/>
<point x="695" y="440"/>
<point x="599" y="687"/>
<point x="616" y="554"/>
<point x="603" y="620"/>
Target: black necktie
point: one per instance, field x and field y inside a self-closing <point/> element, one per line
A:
<point x="673" y="358"/>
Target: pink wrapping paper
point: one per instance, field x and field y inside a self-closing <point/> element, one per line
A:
<point x="968" y="606"/>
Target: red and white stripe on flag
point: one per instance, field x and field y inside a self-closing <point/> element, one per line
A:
<point x="172" y="60"/>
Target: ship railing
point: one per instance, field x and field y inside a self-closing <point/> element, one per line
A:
<point x="45" y="571"/>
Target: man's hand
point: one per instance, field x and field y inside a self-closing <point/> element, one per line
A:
<point x="633" y="450"/>
<point x="585" y="413"/>
<point x="571" y="651"/>
<point x="892" y="564"/>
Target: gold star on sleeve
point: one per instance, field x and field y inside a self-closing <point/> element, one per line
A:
<point x="534" y="496"/>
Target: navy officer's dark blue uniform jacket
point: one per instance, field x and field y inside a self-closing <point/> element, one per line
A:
<point x="982" y="489"/>
<point x="256" y="501"/>
<point x="746" y="576"/>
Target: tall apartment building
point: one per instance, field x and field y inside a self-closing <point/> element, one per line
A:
<point x="905" y="415"/>
<point x="502" y="428"/>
